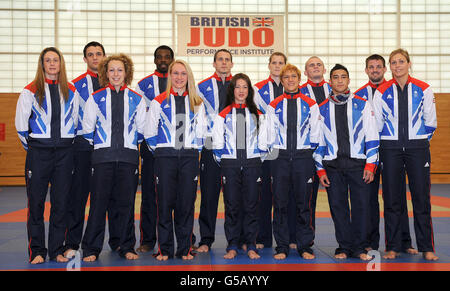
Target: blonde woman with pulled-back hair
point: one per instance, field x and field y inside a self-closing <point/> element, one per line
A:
<point x="113" y="122"/>
<point x="174" y="130"/>
<point x="46" y="121"/>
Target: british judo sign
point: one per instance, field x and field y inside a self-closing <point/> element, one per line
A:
<point x="257" y="35"/>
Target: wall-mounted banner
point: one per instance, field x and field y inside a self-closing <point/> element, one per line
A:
<point x="258" y="35"/>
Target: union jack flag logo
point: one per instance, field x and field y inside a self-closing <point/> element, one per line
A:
<point x="262" y="21"/>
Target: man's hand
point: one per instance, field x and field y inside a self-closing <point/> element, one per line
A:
<point x="368" y="176"/>
<point x="324" y="181"/>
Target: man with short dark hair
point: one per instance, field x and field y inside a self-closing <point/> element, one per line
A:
<point x="213" y="91"/>
<point x="346" y="159"/>
<point x="86" y="84"/>
<point x="375" y="70"/>
<point x="150" y="87"/>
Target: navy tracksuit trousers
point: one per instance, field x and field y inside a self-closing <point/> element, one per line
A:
<point x="416" y="162"/>
<point x="265" y="207"/>
<point x="79" y="193"/>
<point x="44" y="166"/>
<point x="241" y="190"/>
<point x="350" y="222"/>
<point x="210" y="186"/>
<point x="147" y="224"/>
<point x="300" y="174"/>
<point x="114" y="185"/>
<point x="373" y="224"/>
<point x="176" y="181"/>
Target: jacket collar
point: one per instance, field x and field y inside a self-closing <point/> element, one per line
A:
<point x="161" y="75"/>
<point x="92" y="74"/>
<point x="114" y="89"/>
<point x="234" y="105"/>
<point x="176" y="94"/>
<point x="51" y="82"/>
<point x="215" y="76"/>
<point x="316" y="84"/>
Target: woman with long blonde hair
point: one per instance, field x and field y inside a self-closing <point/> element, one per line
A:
<point x="46" y="121"/>
<point x="174" y="130"/>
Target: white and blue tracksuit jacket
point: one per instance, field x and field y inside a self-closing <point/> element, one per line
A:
<point x="264" y="94"/>
<point x="308" y="129"/>
<point x="224" y="134"/>
<point x="307" y="89"/>
<point x="85" y="87"/>
<point x="209" y="92"/>
<point x="34" y="121"/>
<point x="366" y="91"/>
<point x="363" y="133"/>
<point x="148" y="87"/>
<point x="422" y="120"/>
<point x="160" y="128"/>
<point x="98" y="118"/>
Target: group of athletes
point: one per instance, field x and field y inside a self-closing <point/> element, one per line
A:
<point x="268" y="146"/>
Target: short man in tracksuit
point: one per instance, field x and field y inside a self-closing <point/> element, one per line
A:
<point x="150" y="87"/>
<point x="375" y="70"/>
<point x="346" y="160"/>
<point x="213" y="91"/>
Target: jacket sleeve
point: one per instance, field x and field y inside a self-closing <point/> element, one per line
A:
<point x="140" y="119"/>
<point x="201" y="126"/>
<point x="89" y="119"/>
<point x="23" y="113"/>
<point x="321" y="149"/>
<point x="262" y="133"/>
<point x="218" y="139"/>
<point x="315" y="126"/>
<point x="272" y="127"/>
<point x="429" y="112"/>
<point x="151" y="124"/>
<point x="260" y="104"/>
<point x="76" y="109"/>
<point x="372" y="138"/>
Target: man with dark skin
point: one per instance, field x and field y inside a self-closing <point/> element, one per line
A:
<point x="150" y="87"/>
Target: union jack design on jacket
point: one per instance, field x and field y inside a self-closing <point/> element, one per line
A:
<point x="98" y="118"/>
<point x="364" y="141"/>
<point x="264" y="94"/>
<point x="366" y="91"/>
<point x="308" y="129"/>
<point x="208" y="91"/>
<point x="225" y="134"/>
<point x="34" y="121"/>
<point x="422" y="120"/>
<point x="160" y="126"/>
<point x="85" y="87"/>
<point x="307" y="90"/>
<point x="148" y="87"/>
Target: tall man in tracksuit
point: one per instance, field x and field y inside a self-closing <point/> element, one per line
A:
<point x="346" y="159"/>
<point x="150" y="87"/>
<point x="265" y="92"/>
<point x="86" y="84"/>
<point x="213" y="91"/>
<point x="375" y="70"/>
<point x="317" y="89"/>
